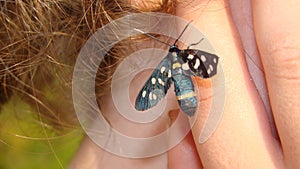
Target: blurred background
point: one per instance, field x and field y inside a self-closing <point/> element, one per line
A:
<point x="28" y="143"/>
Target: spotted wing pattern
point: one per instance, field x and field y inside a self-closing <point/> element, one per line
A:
<point x="199" y="63"/>
<point x="156" y="86"/>
<point x="177" y="66"/>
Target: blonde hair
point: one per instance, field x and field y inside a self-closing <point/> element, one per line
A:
<point x="39" y="43"/>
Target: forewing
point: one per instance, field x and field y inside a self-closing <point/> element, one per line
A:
<point x="200" y="63"/>
<point x="156" y="86"/>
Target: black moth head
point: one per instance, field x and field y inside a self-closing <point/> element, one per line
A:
<point x="174" y="48"/>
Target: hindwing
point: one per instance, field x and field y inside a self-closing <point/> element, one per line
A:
<point x="200" y="63"/>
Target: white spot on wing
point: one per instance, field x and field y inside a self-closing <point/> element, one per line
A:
<point x="197" y="64"/>
<point x="159" y="80"/>
<point x="169" y="74"/>
<point x="203" y="58"/>
<point x="153" y="80"/>
<point x="144" y="93"/>
<point x="211" y="67"/>
<point x="154" y="96"/>
<point x="215" y="60"/>
<point x="162" y="69"/>
<point x="190" y="57"/>
<point x="185" y="66"/>
<point x="174" y="54"/>
<point x="150" y="95"/>
<point x="208" y="71"/>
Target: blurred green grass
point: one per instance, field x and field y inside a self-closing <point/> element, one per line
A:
<point x="27" y="143"/>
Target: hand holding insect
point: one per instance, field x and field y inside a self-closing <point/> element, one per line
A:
<point x="244" y="138"/>
<point x="177" y="66"/>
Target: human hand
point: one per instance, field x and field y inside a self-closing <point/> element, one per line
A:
<point x="244" y="136"/>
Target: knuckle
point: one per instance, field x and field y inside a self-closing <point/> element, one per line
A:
<point x="284" y="62"/>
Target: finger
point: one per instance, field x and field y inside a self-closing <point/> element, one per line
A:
<point x="243" y="132"/>
<point x="277" y="32"/>
<point x="184" y="154"/>
<point x="242" y="17"/>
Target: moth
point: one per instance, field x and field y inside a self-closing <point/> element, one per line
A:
<point x="178" y="67"/>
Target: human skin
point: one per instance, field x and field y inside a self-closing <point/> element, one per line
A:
<point x="244" y="137"/>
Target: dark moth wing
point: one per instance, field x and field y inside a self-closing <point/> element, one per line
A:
<point x="200" y="63"/>
<point x="156" y="86"/>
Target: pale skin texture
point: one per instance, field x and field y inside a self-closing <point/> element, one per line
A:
<point x="243" y="138"/>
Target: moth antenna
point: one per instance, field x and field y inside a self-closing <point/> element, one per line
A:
<point x="152" y="37"/>
<point x="193" y="44"/>
<point x="187" y="25"/>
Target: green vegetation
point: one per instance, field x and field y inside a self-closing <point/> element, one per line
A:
<point x="28" y="143"/>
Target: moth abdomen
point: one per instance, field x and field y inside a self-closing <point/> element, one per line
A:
<point x="185" y="95"/>
<point x="188" y="105"/>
